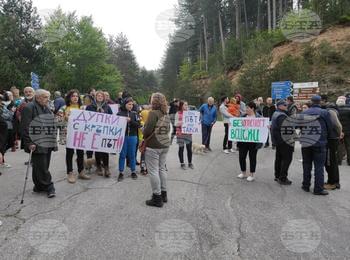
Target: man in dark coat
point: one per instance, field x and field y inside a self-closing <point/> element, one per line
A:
<point x="268" y="111"/>
<point x="38" y="132"/>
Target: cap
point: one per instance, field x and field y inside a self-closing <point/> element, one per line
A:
<point x="281" y="103"/>
<point x="316" y="98"/>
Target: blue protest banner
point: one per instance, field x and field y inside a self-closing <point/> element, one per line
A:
<point x="35" y="81"/>
<point x="281" y="90"/>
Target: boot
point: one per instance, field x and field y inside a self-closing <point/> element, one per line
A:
<point x="164" y="196"/>
<point x="71" y="178"/>
<point x="83" y="175"/>
<point x="99" y="171"/>
<point x="107" y="172"/>
<point x="156" y="201"/>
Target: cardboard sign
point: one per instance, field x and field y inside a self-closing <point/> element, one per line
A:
<point x="115" y="108"/>
<point x="191" y="122"/>
<point x="93" y="131"/>
<point x="246" y="129"/>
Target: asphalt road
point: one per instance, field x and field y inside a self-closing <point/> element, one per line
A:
<point x="210" y="214"/>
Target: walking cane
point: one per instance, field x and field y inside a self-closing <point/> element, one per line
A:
<point x="25" y="181"/>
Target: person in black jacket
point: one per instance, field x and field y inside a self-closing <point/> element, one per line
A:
<point x="174" y="107"/>
<point x="3" y="135"/>
<point x="100" y="106"/>
<point x="284" y="151"/>
<point x="40" y="141"/>
<point x="344" y="118"/>
<point x="268" y="111"/>
<point x="130" y="141"/>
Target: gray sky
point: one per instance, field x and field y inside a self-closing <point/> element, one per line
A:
<point x="135" y="18"/>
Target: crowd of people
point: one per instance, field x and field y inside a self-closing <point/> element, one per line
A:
<point x="148" y="136"/>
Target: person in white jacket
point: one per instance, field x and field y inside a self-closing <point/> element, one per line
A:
<point x="227" y="145"/>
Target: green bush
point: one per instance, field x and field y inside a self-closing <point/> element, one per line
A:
<point x="309" y="53"/>
<point x="337" y="80"/>
<point x="220" y="87"/>
<point x="328" y="55"/>
<point x="344" y="19"/>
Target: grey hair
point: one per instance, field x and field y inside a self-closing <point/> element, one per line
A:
<point x="57" y="94"/>
<point x="41" y="92"/>
<point x="211" y="99"/>
<point x="29" y="88"/>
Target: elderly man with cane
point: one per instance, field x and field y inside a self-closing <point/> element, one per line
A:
<point x="39" y="136"/>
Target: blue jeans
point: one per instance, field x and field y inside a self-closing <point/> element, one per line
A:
<point x="317" y="156"/>
<point x="129" y="150"/>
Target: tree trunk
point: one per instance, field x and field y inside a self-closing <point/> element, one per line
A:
<point x="269" y="15"/>
<point x="245" y="18"/>
<point x="274" y="14"/>
<point x="222" y="37"/>
<point x="258" y="19"/>
<point x="200" y="50"/>
<point x="238" y="19"/>
<point x="281" y="9"/>
<point x="205" y="42"/>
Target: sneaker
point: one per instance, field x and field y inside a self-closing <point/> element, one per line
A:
<point x="120" y="177"/>
<point x="51" y="194"/>
<point x="191" y="166"/>
<point x="226" y="151"/>
<point x="321" y="192"/>
<point x="242" y="176"/>
<point x="183" y="166"/>
<point x="330" y="186"/>
<point x="210" y="150"/>
<point x="306" y="189"/>
<point x="82" y="175"/>
<point x="250" y="178"/>
<point x="285" y="182"/>
<point x="232" y="150"/>
<point x="134" y="176"/>
<point x="71" y="178"/>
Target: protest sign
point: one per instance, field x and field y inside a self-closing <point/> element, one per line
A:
<point x="191" y="122"/>
<point x="115" y="108"/>
<point x="245" y="129"/>
<point x="93" y="131"/>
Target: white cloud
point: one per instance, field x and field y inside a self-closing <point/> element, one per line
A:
<point x="135" y="18"/>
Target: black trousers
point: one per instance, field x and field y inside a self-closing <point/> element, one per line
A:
<point x="189" y="152"/>
<point x="41" y="175"/>
<point x="344" y="149"/>
<point x="226" y="144"/>
<point x="332" y="161"/>
<point x="283" y="159"/>
<point x="89" y="154"/>
<point x="206" y="133"/>
<point x="244" y="149"/>
<point x="69" y="160"/>
<point x="102" y="159"/>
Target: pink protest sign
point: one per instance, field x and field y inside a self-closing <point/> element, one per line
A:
<point x="93" y="131"/>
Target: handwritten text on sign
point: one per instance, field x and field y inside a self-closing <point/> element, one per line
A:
<point x="191" y="122"/>
<point x="246" y="129"/>
<point x="93" y="131"/>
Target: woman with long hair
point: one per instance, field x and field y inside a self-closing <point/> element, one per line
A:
<point x="130" y="142"/>
<point x="183" y="139"/>
<point x="73" y="102"/>
<point x="156" y="136"/>
<point x="102" y="159"/>
<point x="250" y="148"/>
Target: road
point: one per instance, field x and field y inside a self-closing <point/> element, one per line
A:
<point x="211" y="214"/>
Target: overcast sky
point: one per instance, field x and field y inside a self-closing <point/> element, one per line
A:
<point x="135" y="18"/>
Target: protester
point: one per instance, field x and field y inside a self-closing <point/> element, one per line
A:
<point x="284" y="150"/>
<point x="73" y="102"/>
<point x="92" y="92"/>
<point x="108" y="98"/>
<point x="267" y="112"/>
<point x="119" y="98"/>
<point x="183" y="139"/>
<point x="174" y="107"/>
<point x="58" y="101"/>
<point x="334" y="136"/>
<point x="259" y="105"/>
<point x="28" y="97"/>
<point x="344" y="118"/>
<point x="233" y="107"/>
<point x="305" y="106"/>
<point x="242" y="105"/>
<point x="4" y="133"/>
<point x="16" y="96"/>
<point x="102" y="159"/>
<point x="156" y="133"/>
<point x="209" y="116"/>
<point x="250" y="148"/>
<point x="292" y="107"/>
<point x="227" y="144"/>
<point x="8" y="114"/>
<point x="316" y="153"/>
<point x="143" y="119"/>
<point x="130" y="141"/>
<point x="41" y="156"/>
